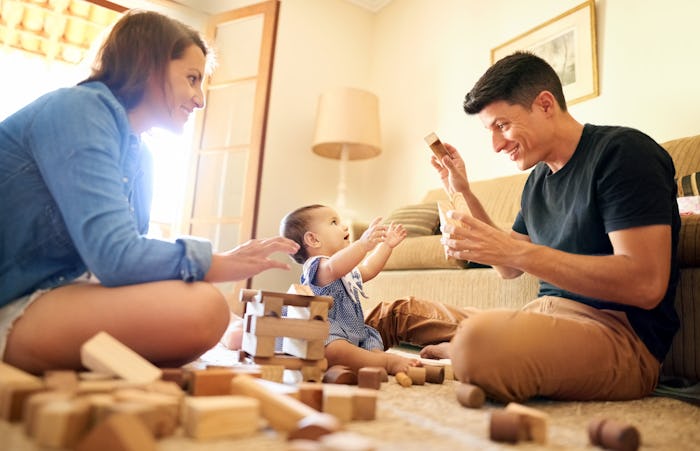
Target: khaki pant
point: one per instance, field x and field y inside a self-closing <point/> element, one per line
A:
<point x="552" y="347"/>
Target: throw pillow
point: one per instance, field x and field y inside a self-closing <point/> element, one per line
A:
<point x="688" y="185"/>
<point x="418" y="220"/>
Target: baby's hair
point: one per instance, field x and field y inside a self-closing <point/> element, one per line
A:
<point x="295" y="225"/>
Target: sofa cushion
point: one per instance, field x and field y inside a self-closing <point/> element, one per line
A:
<point x="418" y="220"/>
<point x="421" y="252"/>
<point x="688" y="185"/>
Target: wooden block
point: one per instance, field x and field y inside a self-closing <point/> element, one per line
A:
<point x="212" y="417"/>
<point x="370" y="377"/>
<point x="311" y="394"/>
<point x="95" y="376"/>
<point x="274" y="373"/>
<point x="314" y="427"/>
<point x="290" y="362"/>
<point x="165" y="388"/>
<point x="298" y="288"/>
<point x="61" y="380"/>
<point x="61" y="423"/>
<point x="158" y="422"/>
<point x="298" y="300"/>
<point x="347" y="441"/>
<point x="536" y="421"/>
<point x="317" y="310"/>
<point x="613" y="435"/>
<point x="417" y="375"/>
<point x="119" y="432"/>
<point x="159" y="411"/>
<point x="364" y="404"/>
<point x="436" y="145"/>
<point x="100" y="405"/>
<point x="403" y="379"/>
<point x="258" y="346"/>
<point x="338" y="401"/>
<point x="35" y="401"/>
<point x="104" y="386"/>
<point x="15" y="387"/>
<point x="304" y="349"/>
<point x="435" y="374"/>
<point x="280" y="388"/>
<point x="105" y="354"/>
<point x="271" y="307"/>
<point x="268" y="326"/>
<point x="311" y="374"/>
<point x="340" y="374"/>
<point x="507" y="426"/>
<point x="177" y="375"/>
<point x="281" y="411"/>
<point x="470" y="395"/>
<point x="210" y="382"/>
<point x="252" y="370"/>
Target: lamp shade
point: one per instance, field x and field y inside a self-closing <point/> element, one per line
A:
<point x="347" y="118"/>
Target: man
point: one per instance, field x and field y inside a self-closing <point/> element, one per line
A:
<point x="598" y="226"/>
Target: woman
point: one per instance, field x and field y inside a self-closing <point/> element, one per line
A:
<point x="76" y="194"/>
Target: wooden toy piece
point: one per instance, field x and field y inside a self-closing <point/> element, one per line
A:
<point x="315" y="426"/>
<point x="470" y="395"/>
<point x="347" y="441"/>
<point x="364" y="404"/>
<point x="289" y="362"/>
<point x="210" y="382"/>
<point x="208" y="417"/>
<point x="611" y="434"/>
<point x="274" y="373"/>
<point x="303" y="348"/>
<point x="417" y="375"/>
<point x="248" y="295"/>
<point x="338" y="401"/>
<point x="535" y="420"/>
<point x="159" y="411"/>
<point x="258" y="346"/>
<point x="15" y="386"/>
<point x="311" y="394"/>
<point x="340" y="374"/>
<point x="158" y="422"/>
<point x="281" y="411"/>
<point x="370" y="377"/>
<point x="268" y="326"/>
<point x="311" y="374"/>
<point x="61" y="380"/>
<point x="61" y="423"/>
<point x="403" y="379"/>
<point x="104" y="353"/>
<point x="298" y="288"/>
<point x="118" y="432"/>
<point x="435" y="374"/>
<point x="436" y="145"/>
<point x="35" y="401"/>
<point x="507" y="426"/>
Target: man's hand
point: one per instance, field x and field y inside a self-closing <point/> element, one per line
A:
<point x="452" y="171"/>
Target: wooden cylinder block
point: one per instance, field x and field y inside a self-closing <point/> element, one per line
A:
<point x="470" y="396"/>
<point x="417" y="375"/>
<point x="506" y="426"/>
<point x="610" y="434"/>
<point x="434" y="374"/>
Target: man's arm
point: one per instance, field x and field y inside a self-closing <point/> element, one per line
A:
<point x="636" y="274"/>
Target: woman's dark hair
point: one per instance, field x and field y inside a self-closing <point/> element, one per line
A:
<point x="295" y="225"/>
<point x="140" y="44"/>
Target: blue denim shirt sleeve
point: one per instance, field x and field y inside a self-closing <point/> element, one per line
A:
<point x="96" y="175"/>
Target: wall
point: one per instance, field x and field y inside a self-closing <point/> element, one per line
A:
<point x="422" y="57"/>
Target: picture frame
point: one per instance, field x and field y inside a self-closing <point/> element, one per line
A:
<point x="568" y="43"/>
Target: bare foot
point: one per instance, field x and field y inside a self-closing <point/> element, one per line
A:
<point x="396" y="363"/>
<point x="438" y="351"/>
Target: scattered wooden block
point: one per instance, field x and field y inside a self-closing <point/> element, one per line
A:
<point x="61" y="380"/>
<point x="507" y="426"/>
<point x="364" y="404"/>
<point x="210" y="382"/>
<point x="34" y="402"/>
<point x="470" y="395"/>
<point x="435" y="374"/>
<point x="338" y="401"/>
<point x="370" y="377"/>
<point x="61" y="423"/>
<point x="177" y="375"/>
<point x="340" y="374"/>
<point x="403" y="379"/>
<point x="315" y="426"/>
<point x="417" y="375"/>
<point x="103" y="353"/>
<point x="159" y="411"/>
<point x="15" y="387"/>
<point x="281" y="411"/>
<point x="118" y="432"/>
<point x="614" y="435"/>
<point x="311" y="394"/>
<point x="536" y="421"/>
<point x="211" y="417"/>
<point x="436" y="145"/>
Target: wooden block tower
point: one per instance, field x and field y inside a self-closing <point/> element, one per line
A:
<point x="303" y="330"/>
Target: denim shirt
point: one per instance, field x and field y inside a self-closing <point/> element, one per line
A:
<point x="75" y="196"/>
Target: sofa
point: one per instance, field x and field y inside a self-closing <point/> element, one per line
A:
<point x="418" y="266"/>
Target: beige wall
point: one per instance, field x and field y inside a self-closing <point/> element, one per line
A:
<point x="421" y="57"/>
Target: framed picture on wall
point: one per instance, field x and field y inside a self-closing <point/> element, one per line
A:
<point x="568" y="43"/>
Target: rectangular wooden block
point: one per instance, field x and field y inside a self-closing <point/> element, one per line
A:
<point x="536" y="421"/>
<point x="15" y="386"/>
<point x="267" y="326"/>
<point x="119" y="432"/>
<point x="210" y="382"/>
<point x="338" y="401"/>
<point x="258" y="345"/>
<point x="221" y="416"/>
<point x="104" y="353"/>
<point x="287" y="298"/>
<point x="364" y="404"/>
<point x="61" y="423"/>
<point x="370" y="377"/>
<point x="304" y="349"/>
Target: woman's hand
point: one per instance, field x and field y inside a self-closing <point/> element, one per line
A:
<point x="249" y="259"/>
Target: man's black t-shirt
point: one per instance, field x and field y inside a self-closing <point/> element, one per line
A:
<point x="617" y="178"/>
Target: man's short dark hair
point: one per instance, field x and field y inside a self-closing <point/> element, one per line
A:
<point x="517" y="79"/>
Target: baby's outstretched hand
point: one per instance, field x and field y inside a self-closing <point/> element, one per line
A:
<point x="374" y="234"/>
<point x="395" y="234"/>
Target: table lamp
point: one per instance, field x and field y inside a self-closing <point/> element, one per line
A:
<point x="347" y="128"/>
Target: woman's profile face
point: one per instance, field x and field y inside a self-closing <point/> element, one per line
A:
<point x="181" y="90"/>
